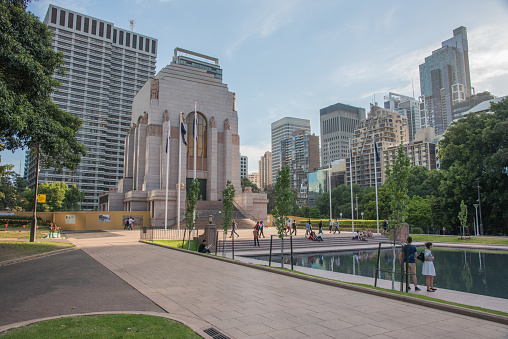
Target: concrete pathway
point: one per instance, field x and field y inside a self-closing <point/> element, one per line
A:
<point x="244" y="302"/>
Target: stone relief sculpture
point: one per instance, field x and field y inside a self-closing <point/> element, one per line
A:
<point x="212" y="122"/>
<point x="227" y="126"/>
<point x="165" y="117"/>
<point x="234" y="101"/>
<point x="143" y="119"/>
<point x="154" y="130"/>
<point x="155" y="89"/>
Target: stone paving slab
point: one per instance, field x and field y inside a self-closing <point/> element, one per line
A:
<point x="244" y="302"/>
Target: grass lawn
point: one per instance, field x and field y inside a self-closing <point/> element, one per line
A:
<point x="177" y="244"/>
<point x="456" y="239"/>
<point x="22" y="233"/>
<point x="10" y="250"/>
<point x="105" y="326"/>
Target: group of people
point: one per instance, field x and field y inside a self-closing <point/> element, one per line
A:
<point x="428" y="269"/>
<point x="360" y="236"/>
<point x="128" y="223"/>
<point x="258" y="232"/>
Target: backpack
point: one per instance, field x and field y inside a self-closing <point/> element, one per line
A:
<point x="421" y="257"/>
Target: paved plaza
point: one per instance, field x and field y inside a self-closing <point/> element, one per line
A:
<point x="242" y="302"/>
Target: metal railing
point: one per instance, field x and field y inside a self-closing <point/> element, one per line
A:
<point x="150" y="233"/>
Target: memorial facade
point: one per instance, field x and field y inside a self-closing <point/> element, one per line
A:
<point x="190" y="86"/>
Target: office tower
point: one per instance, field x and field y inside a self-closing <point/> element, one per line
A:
<point x="282" y="129"/>
<point x="265" y="170"/>
<point x="410" y="107"/>
<point x="389" y="128"/>
<point x="461" y="109"/>
<point x="445" y="80"/>
<point x="106" y="66"/>
<point x="244" y="166"/>
<point x="338" y="123"/>
<point x="300" y="152"/>
<point x="254" y="178"/>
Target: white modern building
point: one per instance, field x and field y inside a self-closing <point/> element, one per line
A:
<point x="105" y="68"/>
<point x="282" y="129"/>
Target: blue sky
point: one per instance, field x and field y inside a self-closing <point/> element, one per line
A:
<point x="291" y="58"/>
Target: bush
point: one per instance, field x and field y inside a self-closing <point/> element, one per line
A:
<point x="416" y="230"/>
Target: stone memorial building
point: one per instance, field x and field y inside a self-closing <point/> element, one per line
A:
<point x="191" y="83"/>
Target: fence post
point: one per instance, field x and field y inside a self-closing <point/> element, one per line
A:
<point x="291" y="243"/>
<point x="377" y="266"/>
<point x="270" y="260"/>
<point x="233" y="236"/>
<point x="216" y="242"/>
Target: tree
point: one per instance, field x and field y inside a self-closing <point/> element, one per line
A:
<point x="228" y="194"/>
<point x="476" y="147"/>
<point x="463" y="216"/>
<point x="396" y="185"/>
<point x="11" y="188"/>
<point x="245" y="182"/>
<point x="418" y="212"/>
<point x="284" y="204"/>
<point x="191" y="202"/>
<point x="28" y="117"/>
<point x="416" y="181"/>
<point x="73" y="196"/>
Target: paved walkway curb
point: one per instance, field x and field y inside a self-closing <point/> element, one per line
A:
<point x="36" y="256"/>
<point x="195" y="324"/>
<point x="404" y="298"/>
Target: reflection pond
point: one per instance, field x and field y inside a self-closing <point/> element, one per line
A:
<point x="479" y="272"/>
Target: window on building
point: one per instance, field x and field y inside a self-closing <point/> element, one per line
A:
<point x="62" y="18"/>
<point x="54" y="13"/>
<point x="147" y="45"/>
<point x="114" y="36"/>
<point x="78" y="22"/>
<point x="154" y="50"/>
<point x="94" y="27"/>
<point x="134" y="40"/>
<point x="128" y="39"/>
<point x="201" y="146"/>
<point x="108" y="31"/>
<point x="101" y="29"/>
<point x="70" y="22"/>
<point x="87" y="24"/>
<point x="120" y="38"/>
<point x="140" y="43"/>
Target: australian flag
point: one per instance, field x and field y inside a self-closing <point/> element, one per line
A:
<point x="167" y="142"/>
<point x="183" y="132"/>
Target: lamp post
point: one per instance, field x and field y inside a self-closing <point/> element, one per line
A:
<point x="480" y="205"/>
<point x="341" y="215"/>
<point x="477" y="231"/>
<point x="362" y="215"/>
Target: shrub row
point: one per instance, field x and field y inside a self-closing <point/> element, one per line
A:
<point x="20" y="221"/>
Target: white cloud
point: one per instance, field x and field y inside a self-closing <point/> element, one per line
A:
<point x="75" y="5"/>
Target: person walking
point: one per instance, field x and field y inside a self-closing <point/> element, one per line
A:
<point x="294" y="227"/>
<point x="428" y="269"/>
<point x="131" y="223"/>
<point x="320" y="225"/>
<point x="385" y="226"/>
<point x="336" y="226"/>
<point x="261" y="227"/>
<point x="233" y="228"/>
<point x="331" y="225"/>
<point x="256" y="235"/>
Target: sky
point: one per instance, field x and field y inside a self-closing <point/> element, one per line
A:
<point x="292" y="58"/>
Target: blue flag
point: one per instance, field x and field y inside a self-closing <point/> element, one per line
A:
<point x="167" y="142"/>
<point x="194" y="125"/>
<point x="375" y="149"/>
<point x="184" y="132"/>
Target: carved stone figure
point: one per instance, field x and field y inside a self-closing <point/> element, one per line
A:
<point x="227" y="126"/>
<point x="234" y="101"/>
<point x="143" y="119"/>
<point x="154" y="130"/>
<point x="212" y="122"/>
<point x="155" y="89"/>
<point x="165" y="117"/>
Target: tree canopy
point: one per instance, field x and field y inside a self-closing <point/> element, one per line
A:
<point x="28" y="117"/>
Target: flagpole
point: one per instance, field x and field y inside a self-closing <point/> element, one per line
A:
<point x="351" y="179"/>
<point x="375" y="180"/>
<point x="167" y="180"/>
<point x="179" y="174"/>
<point x="195" y="136"/>
<point x="330" y="179"/>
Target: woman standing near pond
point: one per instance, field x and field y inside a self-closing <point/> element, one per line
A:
<point x="428" y="268"/>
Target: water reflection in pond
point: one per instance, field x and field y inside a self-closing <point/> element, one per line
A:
<point x="478" y="272"/>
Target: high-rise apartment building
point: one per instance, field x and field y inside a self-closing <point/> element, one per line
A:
<point x="244" y="166"/>
<point x="106" y="66"/>
<point x="301" y="153"/>
<point x="420" y="153"/>
<point x="265" y="170"/>
<point x="410" y="107"/>
<point x="338" y="123"/>
<point x="254" y="178"/>
<point x="389" y="129"/>
<point x="282" y="129"/>
<point x="445" y="80"/>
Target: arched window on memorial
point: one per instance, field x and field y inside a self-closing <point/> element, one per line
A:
<point x="201" y="146"/>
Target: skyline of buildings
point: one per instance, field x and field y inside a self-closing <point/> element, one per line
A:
<point x="106" y="66"/>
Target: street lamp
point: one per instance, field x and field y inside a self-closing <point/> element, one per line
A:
<point x="477" y="231"/>
<point x="362" y="215"/>
<point x="341" y="215"/>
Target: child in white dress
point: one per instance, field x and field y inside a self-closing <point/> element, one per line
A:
<point x="428" y="269"/>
